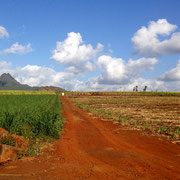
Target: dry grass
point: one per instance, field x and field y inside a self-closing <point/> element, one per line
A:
<point x="154" y="114"/>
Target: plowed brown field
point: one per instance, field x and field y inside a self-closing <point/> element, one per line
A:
<point x="94" y="149"/>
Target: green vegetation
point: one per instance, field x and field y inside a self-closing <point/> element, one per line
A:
<point x="19" y="92"/>
<point x="125" y="93"/>
<point x="157" y="113"/>
<point x="7" y="82"/>
<point x="8" y="141"/>
<point x="34" y="117"/>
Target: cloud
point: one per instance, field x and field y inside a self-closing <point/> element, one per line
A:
<point x="72" y="50"/>
<point x="78" y="58"/>
<point x="41" y="76"/>
<point x="155" y="84"/>
<point x="172" y="75"/>
<point x="44" y="76"/>
<point x="75" y="55"/>
<point x="34" y="75"/>
<point x="81" y="68"/>
<point x="3" y="32"/>
<point x="147" y="42"/>
<point x="17" y="49"/>
<point x="5" y="67"/>
<point x="93" y="84"/>
<point x="116" y="71"/>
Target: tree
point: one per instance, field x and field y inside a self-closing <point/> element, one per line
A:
<point x="136" y="88"/>
<point x="145" y="88"/>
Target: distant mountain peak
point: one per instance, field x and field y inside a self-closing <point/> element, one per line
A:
<point x="7" y="78"/>
<point x="7" y="82"/>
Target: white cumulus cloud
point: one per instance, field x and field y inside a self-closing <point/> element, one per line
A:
<point x="17" y="49"/>
<point x="72" y="50"/>
<point x="44" y="76"/>
<point x="41" y="76"/>
<point x="117" y="71"/>
<point x="75" y="54"/>
<point x="172" y="75"/>
<point x="81" y="68"/>
<point x="3" y="32"/>
<point x="5" y="67"/>
<point x="147" y="42"/>
<point x="34" y="75"/>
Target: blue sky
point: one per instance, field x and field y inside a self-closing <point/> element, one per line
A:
<point x="30" y="32"/>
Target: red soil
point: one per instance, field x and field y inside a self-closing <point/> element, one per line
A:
<point x="94" y="149"/>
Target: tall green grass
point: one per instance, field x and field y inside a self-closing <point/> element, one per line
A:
<point x="20" y="92"/>
<point x="31" y="116"/>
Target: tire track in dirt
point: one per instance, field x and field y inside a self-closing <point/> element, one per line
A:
<point x="94" y="149"/>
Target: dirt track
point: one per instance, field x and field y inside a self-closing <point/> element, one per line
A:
<point x="95" y="149"/>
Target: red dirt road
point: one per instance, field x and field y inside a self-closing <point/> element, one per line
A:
<point x="93" y="149"/>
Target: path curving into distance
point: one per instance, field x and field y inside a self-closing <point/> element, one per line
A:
<point x="94" y="149"/>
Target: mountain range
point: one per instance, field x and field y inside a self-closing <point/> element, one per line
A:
<point x="7" y="82"/>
